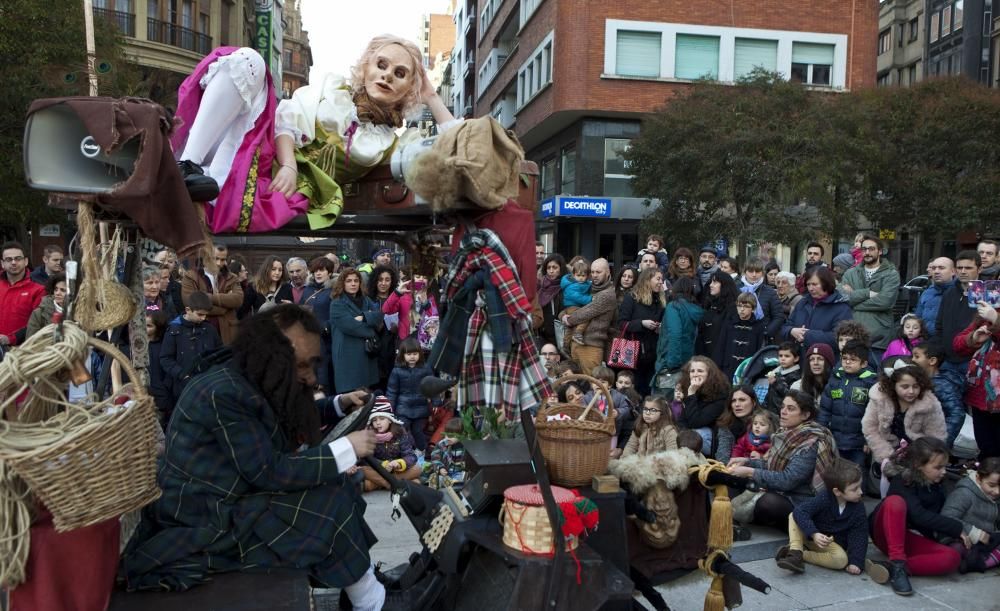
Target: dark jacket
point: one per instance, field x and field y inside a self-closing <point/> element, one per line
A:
<point x="404" y="391"/>
<point x="774" y="311"/>
<point x="662" y="260"/>
<point x="39" y="275"/>
<point x="353" y="366"/>
<point x="159" y="383"/>
<point x="842" y="406"/>
<point x="952" y="404"/>
<point x="953" y="316"/>
<point x="318" y="299"/>
<point x="715" y="316"/>
<point x="700" y="412"/>
<point x="678" y="334"/>
<point x="849" y="530"/>
<point x="398" y="447"/>
<point x="930" y="302"/>
<point x="738" y="340"/>
<point x="819" y="318"/>
<point x="183" y="342"/>
<point x="631" y="313"/>
<point x="968" y="503"/>
<point x="793" y="482"/>
<point x="923" y="509"/>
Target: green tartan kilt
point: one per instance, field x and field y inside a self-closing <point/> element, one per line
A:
<point x="181" y="541"/>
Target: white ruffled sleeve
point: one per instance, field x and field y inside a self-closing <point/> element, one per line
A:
<point x="297" y="116"/>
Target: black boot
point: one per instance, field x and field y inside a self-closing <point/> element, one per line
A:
<point x="792" y="561"/>
<point x="898" y="578"/>
<point x="201" y="188"/>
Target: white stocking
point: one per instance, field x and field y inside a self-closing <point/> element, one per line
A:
<point x="367" y="594"/>
<point x="220" y="105"/>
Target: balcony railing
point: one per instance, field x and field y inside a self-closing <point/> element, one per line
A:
<point x="125" y="22"/>
<point x="171" y="34"/>
<point x="296" y="67"/>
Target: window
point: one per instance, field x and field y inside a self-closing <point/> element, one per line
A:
<point x="811" y="63"/>
<point x="568" y="170"/>
<point x="617" y="180"/>
<point x="548" y="182"/>
<point x="153" y="9"/>
<point x="528" y="8"/>
<point x="946" y="21"/>
<point x="914" y="29"/>
<point x="901" y="35"/>
<point x="935" y="27"/>
<point x="883" y="80"/>
<point x="753" y="53"/>
<point x="187" y="14"/>
<point x="535" y="73"/>
<point x="912" y="80"/>
<point x="638" y="53"/>
<point x="225" y="18"/>
<point x="696" y="57"/>
<point x="884" y="41"/>
<point x="959" y="13"/>
<point x="204" y="23"/>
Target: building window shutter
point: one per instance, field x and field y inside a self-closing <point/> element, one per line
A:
<point x="812" y="53"/>
<point x="752" y="53"/>
<point x="638" y="54"/>
<point x="697" y="57"/>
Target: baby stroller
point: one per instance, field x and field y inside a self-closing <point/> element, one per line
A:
<point x="753" y="370"/>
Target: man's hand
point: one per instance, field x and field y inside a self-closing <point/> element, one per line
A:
<point x="872" y="294"/>
<point x="821" y="540"/>
<point x="799" y="334"/>
<point x="350" y="401"/>
<point x="853" y="570"/>
<point x="363" y="442"/>
<point x="359" y="318"/>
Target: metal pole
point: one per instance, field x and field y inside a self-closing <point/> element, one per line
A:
<point x="88" y="27"/>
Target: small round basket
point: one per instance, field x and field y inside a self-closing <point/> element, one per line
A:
<point x="89" y="462"/>
<point x="576" y="449"/>
<point x="101" y="303"/>
<point x="526" y="525"/>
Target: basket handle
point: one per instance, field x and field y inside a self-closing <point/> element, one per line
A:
<point x="599" y="388"/>
<point x="123" y="361"/>
<point x="88" y="240"/>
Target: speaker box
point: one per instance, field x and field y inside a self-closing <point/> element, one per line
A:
<point x="60" y="155"/>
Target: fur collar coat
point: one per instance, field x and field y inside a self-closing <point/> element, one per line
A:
<point x="924" y="418"/>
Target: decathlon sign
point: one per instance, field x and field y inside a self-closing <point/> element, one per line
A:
<point x="599" y="207"/>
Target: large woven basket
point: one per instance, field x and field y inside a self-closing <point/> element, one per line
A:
<point x="576" y="450"/>
<point x="526" y="526"/>
<point x="100" y="464"/>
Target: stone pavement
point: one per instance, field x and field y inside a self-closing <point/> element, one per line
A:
<point x="817" y="588"/>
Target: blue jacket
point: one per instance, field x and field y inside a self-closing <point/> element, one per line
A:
<point x="575" y="293"/>
<point x="677" y="334"/>
<point x="849" y="530"/>
<point x="929" y="304"/>
<point x="951" y="404"/>
<point x="842" y="406"/>
<point x="662" y="260"/>
<point x="738" y="341"/>
<point x="820" y="319"/>
<point x="404" y="391"/>
<point x="183" y="342"/>
<point x="353" y="367"/>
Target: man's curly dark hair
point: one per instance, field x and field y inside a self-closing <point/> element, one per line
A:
<point x="263" y="353"/>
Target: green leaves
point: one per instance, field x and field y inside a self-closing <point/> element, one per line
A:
<point x="767" y="159"/>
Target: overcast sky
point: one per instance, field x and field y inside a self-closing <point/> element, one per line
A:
<point x="339" y="29"/>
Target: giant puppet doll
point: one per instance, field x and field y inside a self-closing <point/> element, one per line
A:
<point x="270" y="161"/>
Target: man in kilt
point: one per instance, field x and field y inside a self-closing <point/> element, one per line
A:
<point x="247" y="483"/>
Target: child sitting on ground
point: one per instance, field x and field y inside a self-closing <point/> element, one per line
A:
<point x="974" y="501"/>
<point x="576" y="294"/>
<point x="781" y="378"/>
<point x="829" y="530"/>
<point x="844" y="400"/>
<point x="393" y="447"/>
<point x="906" y="522"/>
<point x="929" y="356"/>
<point x="757" y="440"/>
<point x="654" y="432"/>
<point x="186" y="339"/>
<point x="910" y="333"/>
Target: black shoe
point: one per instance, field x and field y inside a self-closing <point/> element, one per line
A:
<point x="201" y="188"/>
<point x="792" y="561"/>
<point x="781" y="553"/>
<point x="898" y="578"/>
<point x="741" y="533"/>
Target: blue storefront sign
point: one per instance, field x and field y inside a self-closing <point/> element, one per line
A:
<point x="592" y="207"/>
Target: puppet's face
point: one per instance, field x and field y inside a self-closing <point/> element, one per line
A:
<point x="389" y="76"/>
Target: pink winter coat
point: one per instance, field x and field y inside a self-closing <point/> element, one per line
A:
<point x="402" y="304"/>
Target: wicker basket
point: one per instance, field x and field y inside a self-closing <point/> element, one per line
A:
<point x="102" y="465"/>
<point x="526" y="526"/>
<point x="101" y="303"/>
<point x="578" y="449"/>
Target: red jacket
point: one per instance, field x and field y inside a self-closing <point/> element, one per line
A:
<point x="16" y="304"/>
<point x="975" y="394"/>
<point x="744" y="446"/>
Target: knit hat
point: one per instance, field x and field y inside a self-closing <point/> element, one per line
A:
<point x="824" y="350"/>
<point x="844" y="261"/>
<point x="379" y="252"/>
<point x="384" y="409"/>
